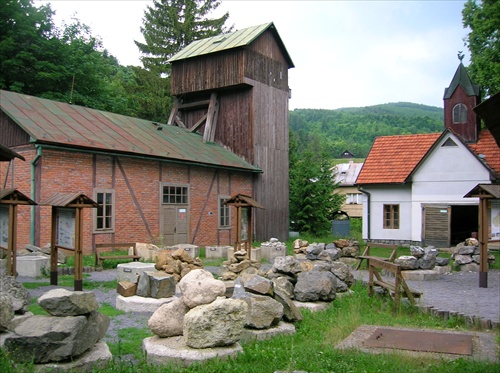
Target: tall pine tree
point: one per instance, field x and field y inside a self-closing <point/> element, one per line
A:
<point x="170" y="25"/>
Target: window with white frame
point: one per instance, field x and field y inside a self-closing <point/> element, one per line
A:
<point x="353" y="198"/>
<point x="224" y="213"/>
<point x="104" y="214"/>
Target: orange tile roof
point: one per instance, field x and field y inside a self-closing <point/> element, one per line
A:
<point x="487" y="146"/>
<point x="393" y="158"/>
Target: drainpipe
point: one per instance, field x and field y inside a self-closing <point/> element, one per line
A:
<point x="33" y="189"/>
<point x="368" y="195"/>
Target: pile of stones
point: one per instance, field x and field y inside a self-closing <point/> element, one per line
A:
<point x="340" y="248"/>
<point x="14" y="301"/>
<point x="72" y="330"/>
<point x="466" y="255"/>
<point x="239" y="264"/>
<point x="177" y="263"/>
<point x="311" y="280"/>
<point x="206" y="318"/>
<point x="421" y="258"/>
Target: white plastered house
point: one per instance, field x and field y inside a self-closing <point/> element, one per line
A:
<point x="414" y="185"/>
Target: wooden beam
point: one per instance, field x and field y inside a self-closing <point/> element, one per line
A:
<point x="173" y="113"/>
<point x="195" y="105"/>
<point x="199" y="123"/>
<point x="211" y="124"/>
<point x="179" y="122"/>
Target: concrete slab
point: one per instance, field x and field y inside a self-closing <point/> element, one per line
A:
<point x="313" y="306"/>
<point x="32" y="266"/>
<point x="282" y="328"/>
<point x="471" y="267"/>
<point x="216" y="252"/>
<point x="97" y="358"/>
<point x="136" y="303"/>
<point x="483" y="344"/>
<point x="271" y="252"/>
<point x="173" y="350"/>
<point x="442" y="269"/>
<point x="420" y="274"/>
<point x="132" y="271"/>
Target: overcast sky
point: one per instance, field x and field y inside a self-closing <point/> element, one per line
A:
<point x="346" y="53"/>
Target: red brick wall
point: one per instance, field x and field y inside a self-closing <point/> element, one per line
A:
<point x="137" y="194"/>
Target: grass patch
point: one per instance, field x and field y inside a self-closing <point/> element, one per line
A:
<point x="130" y="342"/>
<point x="110" y="311"/>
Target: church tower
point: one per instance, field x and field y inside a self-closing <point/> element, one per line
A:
<point x="460" y="98"/>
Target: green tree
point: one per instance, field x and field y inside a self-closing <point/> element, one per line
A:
<point x="170" y="25"/>
<point x="483" y="42"/>
<point x="312" y="185"/>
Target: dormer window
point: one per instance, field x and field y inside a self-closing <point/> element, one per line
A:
<point x="459" y="113"/>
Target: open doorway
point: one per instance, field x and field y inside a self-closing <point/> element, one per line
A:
<point x="464" y="221"/>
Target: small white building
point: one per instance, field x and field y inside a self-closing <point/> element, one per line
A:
<point x="345" y="176"/>
<point x="414" y="185"/>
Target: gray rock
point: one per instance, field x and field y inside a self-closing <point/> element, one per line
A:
<point x="407" y="262"/>
<point x="463" y="259"/>
<point x="471" y="242"/>
<point x="476" y="259"/>
<point x="217" y="324"/>
<point x="431" y="250"/>
<point x="331" y="245"/>
<point x="258" y="285"/>
<point x="283" y="285"/>
<point x="313" y="250"/>
<point x="315" y="286"/>
<point x="200" y="287"/>
<point x="466" y="250"/>
<point x="62" y="302"/>
<point x="442" y="261"/>
<point x="350" y="251"/>
<point x="291" y="312"/>
<point x="168" y="319"/>
<point x="156" y="284"/>
<point x="428" y="261"/>
<point x="19" y="296"/>
<point x="417" y="251"/>
<point x="263" y="312"/>
<point x="41" y="339"/>
<point x="286" y="264"/>
<point x="341" y="286"/>
<point x="341" y="270"/>
<point x="329" y="255"/>
<point x="6" y="312"/>
<point x="319" y="265"/>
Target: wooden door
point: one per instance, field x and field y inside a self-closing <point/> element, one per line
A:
<point x="436" y="222"/>
<point x="175" y="227"/>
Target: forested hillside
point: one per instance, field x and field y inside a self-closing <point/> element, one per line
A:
<point x="355" y="129"/>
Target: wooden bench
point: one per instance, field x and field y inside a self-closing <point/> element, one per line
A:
<point x="366" y="254"/>
<point x="99" y="258"/>
<point x="394" y="288"/>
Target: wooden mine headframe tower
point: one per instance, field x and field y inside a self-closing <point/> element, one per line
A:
<point x="233" y="89"/>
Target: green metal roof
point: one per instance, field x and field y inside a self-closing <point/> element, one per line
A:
<point x="227" y="41"/>
<point x="461" y="78"/>
<point x="55" y="123"/>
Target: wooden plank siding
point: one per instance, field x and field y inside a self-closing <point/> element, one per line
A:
<point x="12" y="134"/>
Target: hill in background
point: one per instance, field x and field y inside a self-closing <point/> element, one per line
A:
<point x="355" y="129"/>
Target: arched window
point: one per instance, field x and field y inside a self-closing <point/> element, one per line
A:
<point x="459" y="113"/>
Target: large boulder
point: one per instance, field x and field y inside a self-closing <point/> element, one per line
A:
<point x="263" y="312"/>
<point x="315" y="286"/>
<point x="42" y="339"/>
<point x="463" y="259"/>
<point x="417" y="251"/>
<point x="62" y="302"/>
<point x="407" y="262"/>
<point x="313" y="250"/>
<point x="466" y="250"/>
<point x="258" y="284"/>
<point x="343" y="272"/>
<point x="284" y="285"/>
<point x="19" y="296"/>
<point x="168" y="319"/>
<point x="217" y="324"/>
<point x="428" y="261"/>
<point x="200" y="287"/>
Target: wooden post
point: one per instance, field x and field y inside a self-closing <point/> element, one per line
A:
<point x="78" y="250"/>
<point x="11" y="242"/>
<point x="370" y="278"/>
<point x="249" y="231"/>
<point x="397" y="293"/>
<point x="483" y="242"/>
<point x="53" y="248"/>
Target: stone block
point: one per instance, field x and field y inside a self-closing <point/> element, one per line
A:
<point x="126" y="288"/>
<point x="471" y="267"/>
<point x="256" y="254"/>
<point x="270" y="252"/>
<point x="136" y="303"/>
<point x="132" y="271"/>
<point x="160" y="351"/>
<point x="442" y="269"/>
<point x="283" y="328"/>
<point x="216" y="252"/>
<point x="313" y="306"/>
<point x="192" y="250"/>
<point x="420" y="275"/>
<point x="32" y="266"/>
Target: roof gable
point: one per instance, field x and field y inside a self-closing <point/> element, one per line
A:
<point x="236" y="39"/>
<point x="392" y="159"/>
<point x="72" y="126"/>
